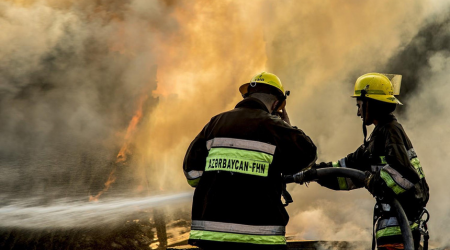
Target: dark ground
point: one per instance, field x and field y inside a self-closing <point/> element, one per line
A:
<point x="138" y="233"/>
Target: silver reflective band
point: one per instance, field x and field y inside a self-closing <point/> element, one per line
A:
<point x="342" y="162"/>
<point x="398" y="178"/>
<point x="376" y="168"/>
<point x="390" y="222"/>
<point x="193" y="174"/>
<point x="411" y="154"/>
<point x="242" y="144"/>
<point x="386" y="207"/>
<point x="237" y="228"/>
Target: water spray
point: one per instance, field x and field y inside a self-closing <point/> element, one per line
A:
<point x="80" y="214"/>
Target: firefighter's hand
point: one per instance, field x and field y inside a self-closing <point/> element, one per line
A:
<point x="368" y="182"/>
<point x="305" y="176"/>
<point x="284" y="116"/>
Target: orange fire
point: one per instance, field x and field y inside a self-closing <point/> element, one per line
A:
<point x="111" y="179"/>
<point x="124" y="150"/>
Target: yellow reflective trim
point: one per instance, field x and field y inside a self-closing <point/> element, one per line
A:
<point x="342" y="183"/>
<point x="341" y="180"/>
<point x="193" y="182"/>
<point x="416" y="164"/>
<point x="392" y="231"/>
<point x="238" y="238"/>
<point x="383" y="159"/>
<point x="390" y="182"/>
<point x="240" y="153"/>
<point x="238" y="161"/>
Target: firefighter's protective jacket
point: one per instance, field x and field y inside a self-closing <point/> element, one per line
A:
<point x="391" y="158"/>
<point x="236" y="164"/>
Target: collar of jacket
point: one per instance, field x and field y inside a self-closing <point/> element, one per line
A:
<point x="386" y="119"/>
<point x="253" y="103"/>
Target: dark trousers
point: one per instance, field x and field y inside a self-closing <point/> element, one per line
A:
<point x="416" y="236"/>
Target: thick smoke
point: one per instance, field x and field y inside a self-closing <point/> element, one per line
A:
<point x="319" y="57"/>
<point x="426" y="62"/>
<point x="72" y="75"/>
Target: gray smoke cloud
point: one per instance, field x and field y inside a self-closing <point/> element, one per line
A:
<point x="72" y="75"/>
<point x="70" y="80"/>
<point x="425" y="63"/>
<point x="427" y="117"/>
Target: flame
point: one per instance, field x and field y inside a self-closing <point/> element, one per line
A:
<point x="124" y="150"/>
<point x="111" y="179"/>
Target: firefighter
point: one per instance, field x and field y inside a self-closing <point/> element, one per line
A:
<point x="236" y="164"/>
<point x="389" y="159"/>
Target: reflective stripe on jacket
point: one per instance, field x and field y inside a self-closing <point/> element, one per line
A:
<point x="236" y="163"/>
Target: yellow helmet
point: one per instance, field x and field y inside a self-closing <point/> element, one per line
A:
<point x="268" y="79"/>
<point x="378" y="87"/>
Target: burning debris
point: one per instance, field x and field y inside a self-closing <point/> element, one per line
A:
<point x="125" y="149"/>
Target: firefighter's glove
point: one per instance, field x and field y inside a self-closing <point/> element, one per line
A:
<point x="322" y="165"/>
<point x="305" y="176"/>
<point x="368" y="182"/>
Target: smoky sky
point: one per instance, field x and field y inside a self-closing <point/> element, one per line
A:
<point x="412" y="60"/>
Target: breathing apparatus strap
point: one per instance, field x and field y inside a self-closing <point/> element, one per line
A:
<point x="363" y="108"/>
<point x="286" y="195"/>
<point x="423" y="227"/>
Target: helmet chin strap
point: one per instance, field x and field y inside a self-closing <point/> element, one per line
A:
<point x="363" y="107"/>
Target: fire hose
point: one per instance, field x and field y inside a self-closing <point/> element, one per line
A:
<point x="360" y="176"/>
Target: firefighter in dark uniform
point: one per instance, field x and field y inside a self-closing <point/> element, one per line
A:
<point x="236" y="164"/>
<point x="389" y="159"/>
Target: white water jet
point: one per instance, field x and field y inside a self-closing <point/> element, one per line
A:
<point x="79" y="214"/>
